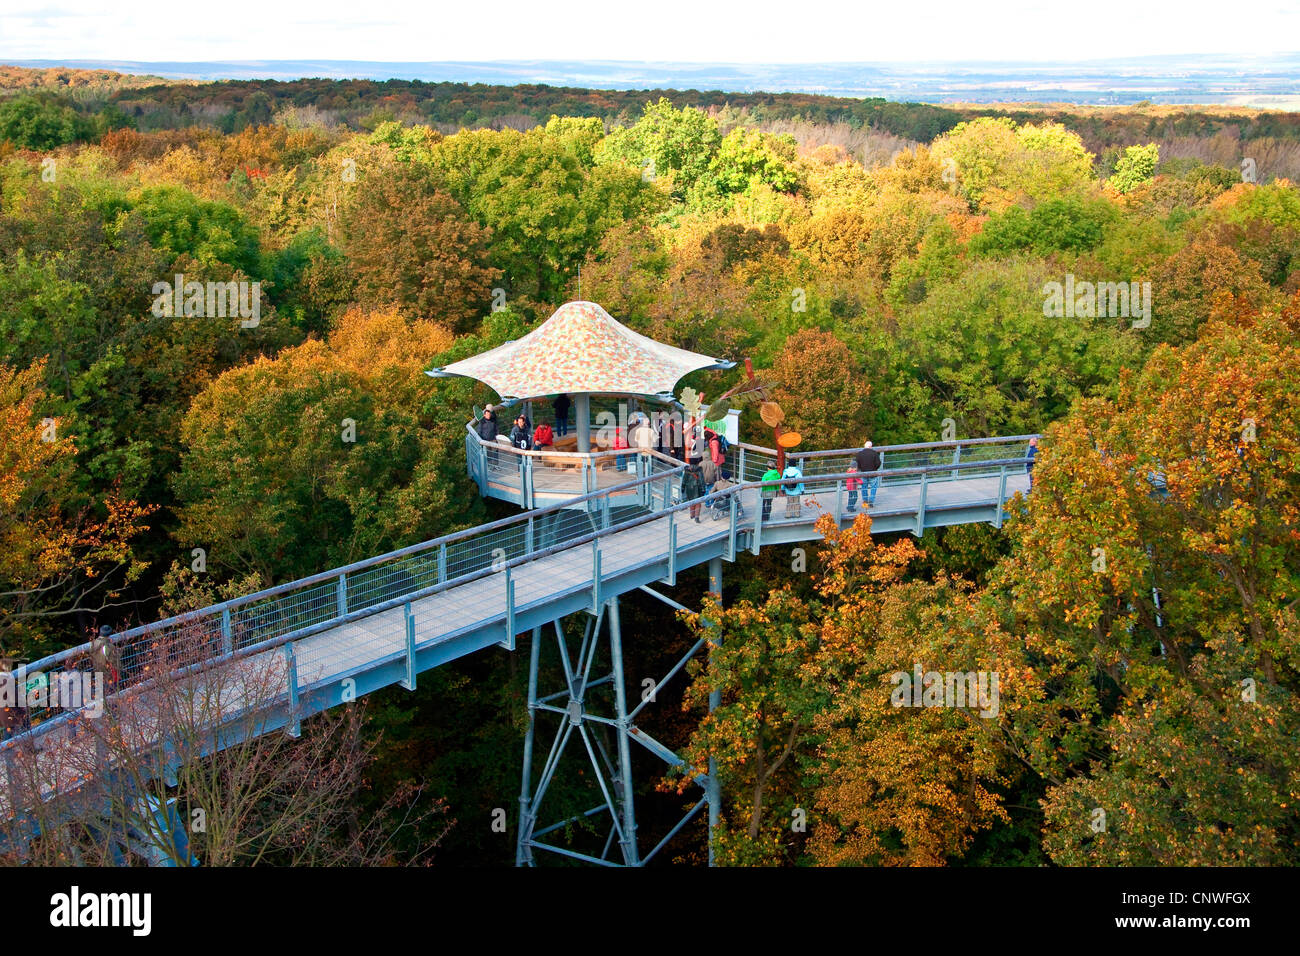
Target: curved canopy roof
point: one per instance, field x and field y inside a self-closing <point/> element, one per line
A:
<point x="581" y="348"/>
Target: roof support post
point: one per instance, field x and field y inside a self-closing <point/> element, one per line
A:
<point x="582" y="411"/>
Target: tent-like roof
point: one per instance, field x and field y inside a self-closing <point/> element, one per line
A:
<point x="581" y="348"/>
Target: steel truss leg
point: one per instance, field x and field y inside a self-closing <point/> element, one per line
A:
<point x="523" y="853"/>
<point x="713" y="789"/>
<point x="630" y="855"/>
<point x="611" y="765"/>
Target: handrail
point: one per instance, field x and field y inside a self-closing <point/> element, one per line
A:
<point x="223" y="608"/>
<point x="420" y="593"/>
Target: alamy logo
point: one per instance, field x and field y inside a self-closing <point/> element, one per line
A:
<point x="213" y="300"/>
<point x="1087" y="300"/>
<point x="60" y="690"/>
<point x="102" y="909"/>
<point x="946" y="689"/>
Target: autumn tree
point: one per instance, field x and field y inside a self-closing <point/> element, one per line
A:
<point x="412" y="247"/>
<point x="994" y="161"/>
<point x="63" y="558"/>
<point x="1154" y="577"/>
<point x="823" y="390"/>
<point x="318" y="457"/>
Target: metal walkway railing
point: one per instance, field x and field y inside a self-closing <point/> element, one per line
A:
<point x="588" y="543"/>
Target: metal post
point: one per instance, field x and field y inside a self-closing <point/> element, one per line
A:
<point x="630" y="853"/>
<point x="343" y="595"/>
<point x="408" y="681"/>
<point x="227" y="636"/>
<point x="672" y="549"/>
<point x="291" y="666"/>
<point x="509" y="642"/>
<point x="713" y="791"/>
<point x="524" y="853"/>
<point x="920" y="509"/>
<point x="582" y="410"/>
<point x="733" y="508"/>
<point x="1002" y="495"/>
<point x="442" y="563"/>
<point x="956" y="460"/>
<point x="740" y="464"/>
<point x="528" y="536"/>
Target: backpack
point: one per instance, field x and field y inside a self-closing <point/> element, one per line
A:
<point x="723" y="444"/>
<point x="788" y="488"/>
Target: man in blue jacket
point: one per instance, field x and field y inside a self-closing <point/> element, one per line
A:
<point x="792" y="489"/>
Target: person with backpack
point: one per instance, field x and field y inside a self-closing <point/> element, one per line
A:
<point x="868" y="460"/>
<point x="714" y="447"/>
<point x="106" y="657"/>
<point x="853" y="484"/>
<point x="561" y="406"/>
<point x="693" y="488"/>
<point x="793" y="489"/>
<point x="710" y="472"/>
<point x="769" y="492"/>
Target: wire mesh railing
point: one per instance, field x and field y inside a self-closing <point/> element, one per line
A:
<point x="276" y="614"/>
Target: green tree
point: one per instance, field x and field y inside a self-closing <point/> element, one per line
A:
<point x="665" y="141"/>
<point x="1136" y="167"/>
<point x="34" y="122"/>
<point x="432" y="262"/>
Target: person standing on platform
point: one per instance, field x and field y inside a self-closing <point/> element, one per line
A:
<point x="769" y="492"/>
<point x="561" y="406"/>
<point x="1031" y="455"/>
<point x="868" y="461"/>
<point x="793" y="489"/>
<point x="487" y="425"/>
<point x="693" y="488"/>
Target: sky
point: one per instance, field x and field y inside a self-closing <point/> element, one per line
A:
<point x="722" y="31"/>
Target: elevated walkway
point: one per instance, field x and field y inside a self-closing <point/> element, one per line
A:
<point x="334" y="636"/>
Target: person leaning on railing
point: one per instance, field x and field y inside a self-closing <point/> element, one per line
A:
<point x="486" y="429"/>
<point x="793" y="489"/>
<point x="769" y="491"/>
<point x="487" y="425"/>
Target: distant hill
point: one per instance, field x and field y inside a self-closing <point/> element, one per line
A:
<point x="1272" y="81"/>
<point x="65" y="78"/>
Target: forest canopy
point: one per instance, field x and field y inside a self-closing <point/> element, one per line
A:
<point x="885" y="265"/>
